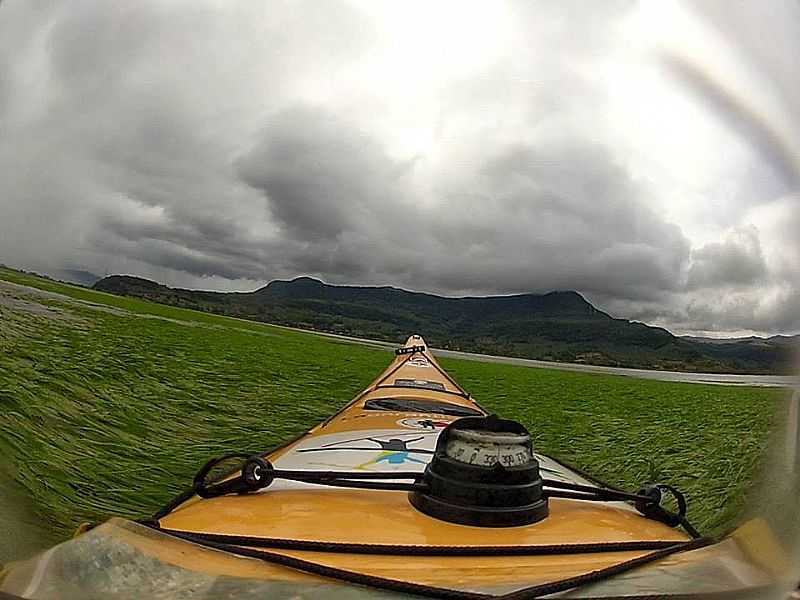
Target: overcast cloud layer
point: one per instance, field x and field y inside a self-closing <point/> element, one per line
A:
<point x="643" y="154"/>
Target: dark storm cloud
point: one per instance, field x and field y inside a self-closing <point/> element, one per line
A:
<point x="737" y="261"/>
<point x="213" y="233"/>
<point x="535" y="218"/>
<point x="343" y="205"/>
<point x="203" y="144"/>
<point x="563" y="216"/>
<point x="781" y="314"/>
<point x="786" y="316"/>
<point x="730" y="285"/>
<point x="130" y="106"/>
<point x="322" y="176"/>
<point x="161" y="253"/>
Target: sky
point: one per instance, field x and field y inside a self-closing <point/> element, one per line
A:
<point x="645" y="154"/>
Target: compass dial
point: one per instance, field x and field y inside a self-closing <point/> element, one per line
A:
<point x="487" y="448"/>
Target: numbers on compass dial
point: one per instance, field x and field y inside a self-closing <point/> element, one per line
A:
<point x="487" y="449"/>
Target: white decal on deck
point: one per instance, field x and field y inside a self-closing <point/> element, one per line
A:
<point x="419" y="362"/>
<point x="424" y="423"/>
<point x="383" y="450"/>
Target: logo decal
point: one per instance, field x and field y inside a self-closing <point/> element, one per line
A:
<point x="394" y="451"/>
<point x="422" y="423"/>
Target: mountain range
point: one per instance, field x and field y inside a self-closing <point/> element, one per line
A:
<point x="559" y="326"/>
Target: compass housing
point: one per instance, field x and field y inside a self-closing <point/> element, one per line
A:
<point x="483" y="473"/>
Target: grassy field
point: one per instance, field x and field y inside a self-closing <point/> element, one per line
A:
<point x="109" y="408"/>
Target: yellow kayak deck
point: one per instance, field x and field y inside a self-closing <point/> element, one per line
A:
<point x="357" y="438"/>
<point x="371" y="435"/>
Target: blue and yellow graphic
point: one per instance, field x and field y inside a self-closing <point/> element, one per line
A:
<point x="394" y="452"/>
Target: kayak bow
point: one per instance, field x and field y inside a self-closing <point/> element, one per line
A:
<point x="354" y="501"/>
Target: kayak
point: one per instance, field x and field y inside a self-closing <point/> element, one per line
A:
<point x="414" y="489"/>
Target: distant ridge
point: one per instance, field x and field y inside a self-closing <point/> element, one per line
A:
<point x="77" y="276"/>
<point x="752" y="339"/>
<point x="560" y="325"/>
